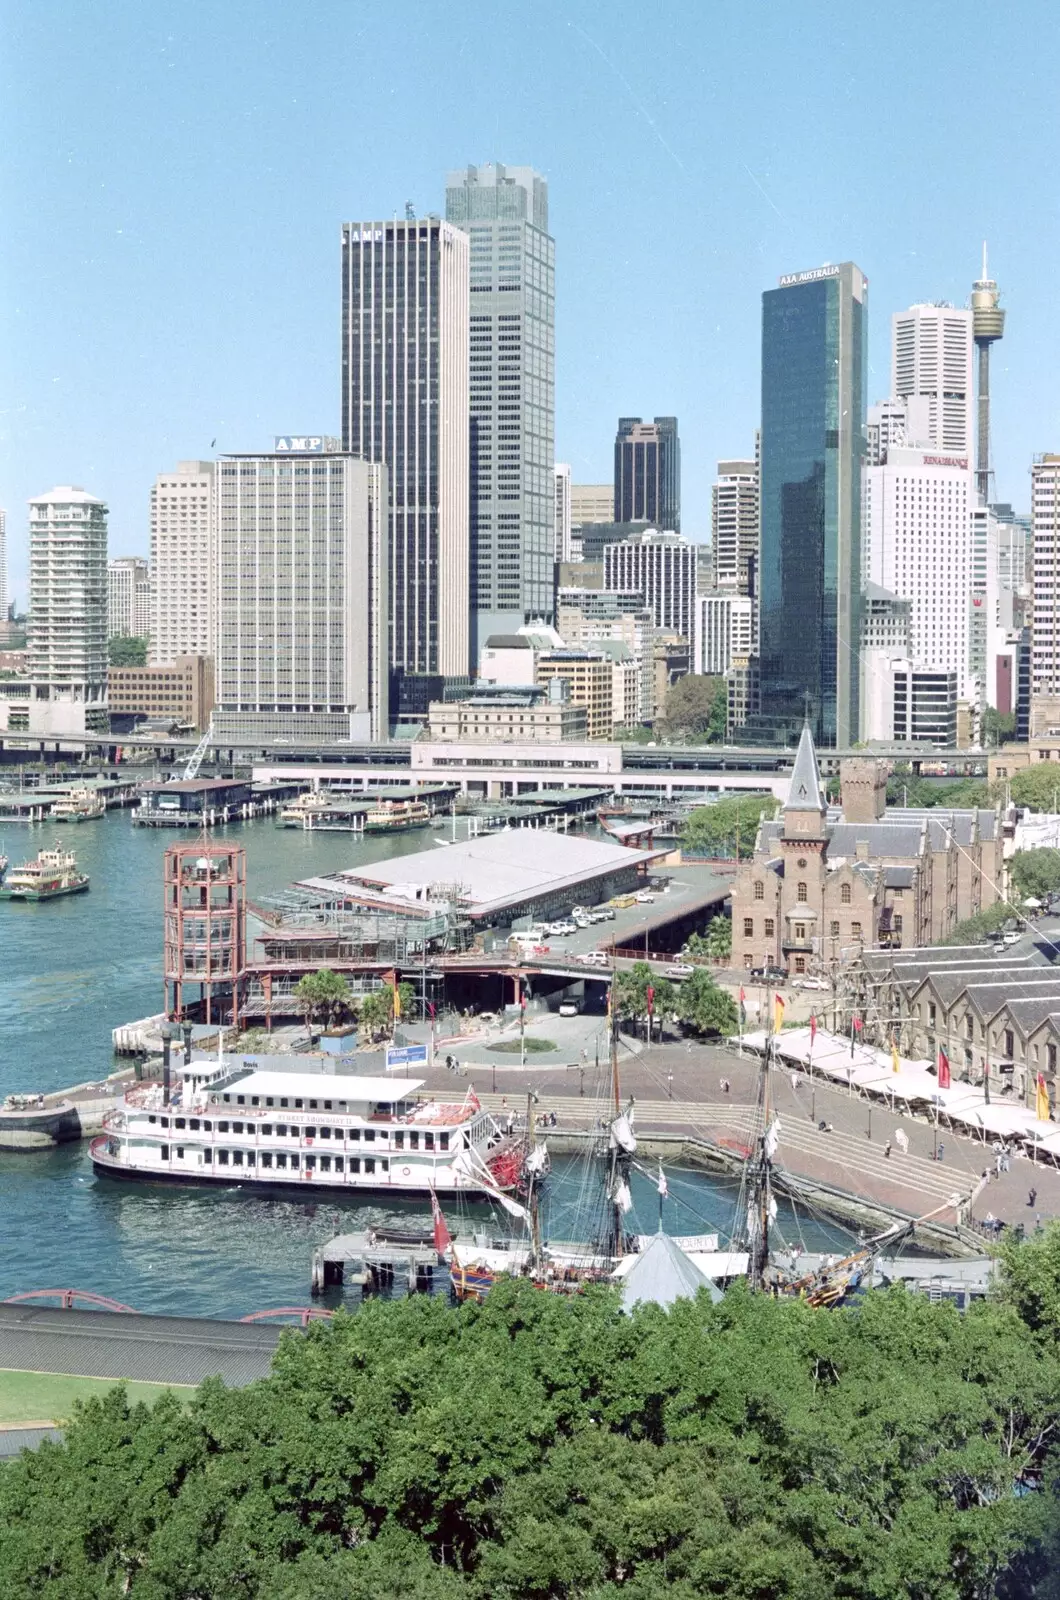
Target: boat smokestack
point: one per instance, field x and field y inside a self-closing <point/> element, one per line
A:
<point x="167" y="1075"/>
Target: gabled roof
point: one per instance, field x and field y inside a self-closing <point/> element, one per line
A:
<point x="662" y="1274"/>
<point x="804" y="791"/>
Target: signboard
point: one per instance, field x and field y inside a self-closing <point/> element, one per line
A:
<point x="788" y="278"/>
<point x="405" y="1056"/>
<point x="303" y="444"/>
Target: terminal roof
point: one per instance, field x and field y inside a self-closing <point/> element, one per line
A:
<point x="321" y="1086"/>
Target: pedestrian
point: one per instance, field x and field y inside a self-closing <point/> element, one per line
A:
<point x="1005" y="1162"/>
<point x="997" y="1166"/>
<point x="941" y="1149"/>
<point x="795" y="1081"/>
<point x="887" y="1150"/>
<point x="1031" y="1198"/>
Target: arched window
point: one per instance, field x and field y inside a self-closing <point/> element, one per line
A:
<point x="844" y="894"/>
<point x="800" y="894"/>
<point x="759" y="890"/>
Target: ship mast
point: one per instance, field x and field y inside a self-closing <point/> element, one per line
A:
<point x="534" y="1194"/>
<point x="619" y="1164"/>
<point x="762" y="1193"/>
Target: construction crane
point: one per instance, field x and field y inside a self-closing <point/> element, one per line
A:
<point x="192" y="769"/>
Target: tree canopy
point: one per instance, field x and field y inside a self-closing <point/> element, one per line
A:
<point x="325" y="997"/>
<point x="696" y="707"/>
<point x="538" y="1446"/>
<point x="903" y="789"/>
<point x="1035" y="872"/>
<point x="716" y="941"/>
<point x="712" y="830"/>
<point x="1036" y="787"/>
<point x="127" y="650"/>
<point x="705" y="1007"/>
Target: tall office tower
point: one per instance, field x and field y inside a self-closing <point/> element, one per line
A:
<point x="813" y="414"/>
<point x="885" y="628"/>
<point x="504" y="210"/>
<point x="988" y="325"/>
<point x="734" y="527"/>
<point x="405" y="403"/>
<point x="67" y="613"/>
<point x="661" y="567"/>
<point x="3" y="566"/>
<point x="648" y="472"/>
<point x="1045" y="620"/>
<point x="1015" y="543"/>
<point x="918" y="546"/>
<point x="562" y="523"/>
<point x="183" y="557"/>
<point x="931" y="359"/>
<point x="302" y="577"/>
<point x="128" y="598"/>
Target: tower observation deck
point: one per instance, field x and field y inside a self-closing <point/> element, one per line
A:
<point x="988" y="325"/>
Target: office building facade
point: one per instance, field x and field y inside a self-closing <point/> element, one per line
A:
<point x="504" y="212"/>
<point x="405" y="298"/>
<point x="813" y="415"/>
<point x="662" y="568"/>
<point x="734" y="527"/>
<point x="67" y="635"/>
<point x="931" y="360"/>
<point x="302" y="591"/>
<point x="561" y="526"/>
<point x="183" y="557"/>
<point x="1045" y="615"/>
<point x="591" y="502"/>
<point x="4" y="601"/>
<point x="128" y="598"/>
<point x="648" y="472"/>
<point x="723" y="630"/>
<point x="180" y="694"/>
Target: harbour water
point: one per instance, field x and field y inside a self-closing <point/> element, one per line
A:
<point x="70" y="971"/>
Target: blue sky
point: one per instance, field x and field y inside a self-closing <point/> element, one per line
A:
<point x="175" y="176"/>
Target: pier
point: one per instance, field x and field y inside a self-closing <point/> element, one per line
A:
<point x="377" y="1263"/>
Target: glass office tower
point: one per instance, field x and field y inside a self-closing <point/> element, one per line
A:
<point x="814" y="330"/>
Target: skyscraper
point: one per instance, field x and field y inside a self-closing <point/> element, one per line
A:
<point x="648" y="472"/>
<point x="3" y="566"/>
<point x="813" y="414"/>
<point x="734" y="527"/>
<point x="504" y="211"/>
<point x="302" y="595"/>
<point x="67" y="613"/>
<point x="183" y="555"/>
<point x="662" y="568"/>
<point x="931" y="360"/>
<point x="1045" y="624"/>
<point x="128" y="598"/>
<point x="405" y="404"/>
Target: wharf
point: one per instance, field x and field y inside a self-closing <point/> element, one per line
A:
<point x="375" y="1263"/>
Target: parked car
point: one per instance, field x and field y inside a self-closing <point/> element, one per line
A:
<point x="560" y="929"/>
<point x="568" y="1009"/>
<point x="812" y="983"/>
<point x="768" y="975"/>
<point x="594" y="958"/>
<point x="1012" y="937"/>
<point x="602" y="914"/>
<point x="645" y="897"/>
<point x="680" y="969"/>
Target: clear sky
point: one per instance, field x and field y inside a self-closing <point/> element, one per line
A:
<point x="175" y="174"/>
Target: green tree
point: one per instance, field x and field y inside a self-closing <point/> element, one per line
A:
<point x="998" y="726"/>
<point x="696" y="709"/>
<point x="127" y="650"/>
<point x="978" y="926"/>
<point x="631" y="993"/>
<point x="325" y="998"/>
<point x="705" y="1007"/>
<point x="713" y="830"/>
<point x="1036" y="787"/>
<point x="719" y="937"/>
<point x="1035" y="872"/>
<point x="377" y="1007"/>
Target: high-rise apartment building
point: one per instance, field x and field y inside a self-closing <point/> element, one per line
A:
<point x="648" y="472"/>
<point x="931" y="359"/>
<point x="183" y="557"/>
<point x="918" y="546"/>
<point x="562" y="511"/>
<point x="405" y="403"/>
<point x="504" y="211"/>
<point x="734" y="527"/>
<point x="3" y="566"/>
<point x="662" y="568"/>
<point x="813" y="414"/>
<point x="128" y="598"/>
<point x="302" y="577"/>
<point x="723" y="631"/>
<point x="67" y="636"/>
<point x="1045" y="619"/>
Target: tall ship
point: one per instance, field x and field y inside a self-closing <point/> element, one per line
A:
<point x="80" y="805"/>
<point x="397" y="816"/>
<point x="54" y="873"/>
<point x="233" y="1124"/>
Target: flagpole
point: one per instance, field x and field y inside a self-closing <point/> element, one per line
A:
<point x="809" y="1063"/>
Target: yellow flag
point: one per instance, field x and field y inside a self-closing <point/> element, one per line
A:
<point x="397" y="1002"/>
<point x="778" y="1013"/>
<point x="895" y="1063"/>
<point x="1041" y="1100"/>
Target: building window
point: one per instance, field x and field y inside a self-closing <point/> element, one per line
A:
<point x="969" y="1028"/>
<point x="1010" y="1044"/>
<point x="800" y="930"/>
<point x="760" y="890"/>
<point x="833" y="928"/>
<point x="748" y="959"/>
<point x="748" y="928"/>
<point x="800" y="894"/>
<point x="855" y="930"/>
<point x="1050" y="1057"/>
<point x="844" y="894"/>
<point x="800" y="963"/>
<point x="770" y="928"/>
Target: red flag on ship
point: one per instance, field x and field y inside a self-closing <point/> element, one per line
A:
<point x="857" y="1024"/>
<point x="472" y="1101"/>
<point x="813" y="1027"/>
<point x="650" y="993"/>
<point x="442" y="1237"/>
<point x="944" y="1069"/>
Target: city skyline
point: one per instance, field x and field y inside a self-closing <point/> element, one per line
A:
<point x="690" y="352"/>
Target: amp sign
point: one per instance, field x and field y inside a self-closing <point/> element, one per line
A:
<point x="302" y="444"/>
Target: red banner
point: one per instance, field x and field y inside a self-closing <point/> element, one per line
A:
<point x="944" y="1069"/>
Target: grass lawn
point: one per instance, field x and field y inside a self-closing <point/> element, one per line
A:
<point x="512" y="1047"/>
<point x="49" y="1396"/>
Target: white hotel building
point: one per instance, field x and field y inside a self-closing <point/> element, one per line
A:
<point x="182" y="563"/>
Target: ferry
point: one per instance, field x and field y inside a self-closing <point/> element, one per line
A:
<point x="236" y="1123"/>
<point x="303" y="811"/>
<point x="397" y="816"/>
<point x="80" y="805"/>
<point x="54" y="873"/>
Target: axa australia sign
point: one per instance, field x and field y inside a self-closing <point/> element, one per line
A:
<point x="815" y="273"/>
